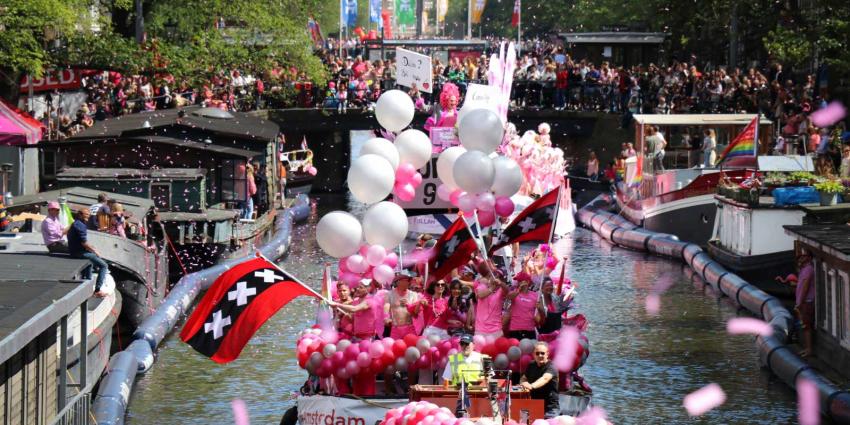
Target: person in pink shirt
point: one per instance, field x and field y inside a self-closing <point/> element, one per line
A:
<point x="361" y="308"/>
<point x="490" y="292"/>
<point x="400" y="306"/>
<point x="435" y="310"/>
<point x="526" y="306"/>
<point x="343" y="318"/>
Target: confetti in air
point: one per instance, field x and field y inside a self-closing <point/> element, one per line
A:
<point x="808" y="402"/>
<point x="704" y="399"/>
<point x="240" y="412"/>
<point x="831" y="114"/>
<point x="748" y="325"/>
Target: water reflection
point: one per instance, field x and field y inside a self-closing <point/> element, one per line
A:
<point x="641" y="366"/>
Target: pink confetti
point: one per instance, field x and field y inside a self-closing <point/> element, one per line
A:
<point x="748" y="325"/>
<point x="704" y="399"/>
<point x="593" y="416"/>
<point x="808" y="402"/>
<point x="829" y="115"/>
<point x="566" y="350"/>
<point x="240" y="412"/>
<point x="653" y="304"/>
<point x="663" y="283"/>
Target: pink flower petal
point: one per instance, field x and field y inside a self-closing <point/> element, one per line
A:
<point x="808" y="402"/>
<point x="748" y="325"/>
<point x="592" y="416"/>
<point x="829" y="115"/>
<point x="704" y="399"/>
<point x="240" y="412"/>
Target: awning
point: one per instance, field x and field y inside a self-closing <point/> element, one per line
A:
<point x="16" y="127"/>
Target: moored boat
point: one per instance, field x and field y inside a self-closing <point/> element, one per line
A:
<point x="298" y="179"/>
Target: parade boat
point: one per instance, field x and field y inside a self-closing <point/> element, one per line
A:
<point x="299" y="179"/>
<point x="192" y="163"/>
<point x="680" y="200"/>
<point x="138" y="263"/>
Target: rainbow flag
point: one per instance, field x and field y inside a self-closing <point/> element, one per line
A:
<point x="746" y="144"/>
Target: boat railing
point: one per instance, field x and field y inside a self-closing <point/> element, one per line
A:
<point x="130" y="256"/>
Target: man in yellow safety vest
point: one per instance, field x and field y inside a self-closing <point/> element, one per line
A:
<point x="466" y="366"/>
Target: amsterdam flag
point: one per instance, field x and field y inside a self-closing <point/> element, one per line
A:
<point x="452" y="250"/>
<point x="534" y="223"/>
<point x="236" y="305"/>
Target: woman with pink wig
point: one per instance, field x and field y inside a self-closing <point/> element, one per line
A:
<point x="447" y="115"/>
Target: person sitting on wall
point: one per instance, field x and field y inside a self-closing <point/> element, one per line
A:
<point x="53" y="230"/>
<point x="79" y="247"/>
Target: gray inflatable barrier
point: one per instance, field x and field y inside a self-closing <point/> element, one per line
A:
<point x="113" y="395"/>
<point x="774" y="354"/>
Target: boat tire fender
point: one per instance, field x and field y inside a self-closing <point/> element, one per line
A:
<point x="700" y="262"/>
<point x="113" y="396"/>
<point x="613" y="237"/>
<point x="712" y="273"/>
<point x="843" y="415"/>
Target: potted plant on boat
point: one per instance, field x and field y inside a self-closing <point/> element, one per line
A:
<point x="829" y="190"/>
<point x="804" y="178"/>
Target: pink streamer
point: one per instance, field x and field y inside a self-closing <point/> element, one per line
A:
<point x="831" y="114"/>
<point x="704" y="399"/>
<point x="748" y="325"/>
<point x="240" y="412"/>
<point x="567" y="346"/>
<point x="808" y="402"/>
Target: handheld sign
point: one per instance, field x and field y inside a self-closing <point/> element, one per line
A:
<point x="413" y="68"/>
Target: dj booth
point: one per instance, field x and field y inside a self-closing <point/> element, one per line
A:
<point x="479" y="400"/>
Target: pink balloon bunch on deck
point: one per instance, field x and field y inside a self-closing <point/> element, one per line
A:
<point x="427" y="413"/>
<point x="370" y="262"/>
<point x="487" y="204"/>
<point x="407" y="179"/>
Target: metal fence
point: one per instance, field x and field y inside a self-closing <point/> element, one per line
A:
<point x="77" y="411"/>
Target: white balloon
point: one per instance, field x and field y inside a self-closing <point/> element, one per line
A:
<point x="473" y="172"/>
<point x="446" y="163"/>
<point x="383" y="148"/>
<point x="481" y="130"/>
<point x="471" y="106"/>
<point x="394" y="110"/>
<point x="414" y="147"/>
<point x="385" y="224"/>
<point x="508" y="177"/>
<point x="371" y="178"/>
<point x="339" y="234"/>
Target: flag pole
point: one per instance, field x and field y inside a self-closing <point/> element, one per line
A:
<point x="482" y="251"/>
<point x="519" y="23"/>
<point x="294" y="279"/>
<point x="557" y="209"/>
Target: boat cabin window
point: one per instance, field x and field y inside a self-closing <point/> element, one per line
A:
<point x="161" y="195"/>
<point x="234" y="181"/>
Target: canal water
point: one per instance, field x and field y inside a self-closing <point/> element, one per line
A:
<point x="640" y="365"/>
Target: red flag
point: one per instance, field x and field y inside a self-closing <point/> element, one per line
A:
<point x="236" y="305"/>
<point x="534" y="223"/>
<point x="452" y="250"/>
<point x="515" y="16"/>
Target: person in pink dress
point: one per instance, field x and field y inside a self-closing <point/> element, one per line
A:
<point x="362" y="311"/>
<point x="447" y="115"/>
<point x="490" y="292"/>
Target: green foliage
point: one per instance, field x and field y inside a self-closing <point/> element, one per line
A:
<point x="829" y="186"/>
<point x="26" y="27"/>
<point x="787" y="46"/>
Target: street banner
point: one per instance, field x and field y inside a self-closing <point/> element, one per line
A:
<point x="326" y="410"/>
<point x="478" y="10"/>
<point x="413" y="68"/>
<point x="348" y="12"/>
<point x="405" y="12"/>
<point x="442" y="10"/>
<point x="55" y="79"/>
<point x="375" y="11"/>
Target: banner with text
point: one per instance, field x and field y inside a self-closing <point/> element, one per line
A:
<point x="426" y="193"/>
<point x="413" y="68"/>
<point x="325" y="410"/>
<point x="480" y="95"/>
<point x="478" y="10"/>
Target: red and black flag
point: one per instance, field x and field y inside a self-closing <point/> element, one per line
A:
<point x="236" y="305"/>
<point x="452" y="250"/>
<point x="534" y="223"/>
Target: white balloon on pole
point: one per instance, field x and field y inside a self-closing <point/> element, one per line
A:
<point x="339" y="234"/>
<point x="394" y="110"/>
<point x="371" y="178"/>
<point x="508" y="177"/>
<point x="473" y="171"/>
<point x="383" y="148"/>
<point x="385" y="224"/>
<point x="481" y="130"/>
<point x="414" y="147"/>
<point x="446" y="163"/>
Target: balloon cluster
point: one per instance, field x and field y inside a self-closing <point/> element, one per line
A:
<point x="542" y="166"/>
<point x="383" y="167"/>
<point x="426" y="413"/>
<point x="370" y="262"/>
<point x="325" y="354"/>
<point x="474" y="178"/>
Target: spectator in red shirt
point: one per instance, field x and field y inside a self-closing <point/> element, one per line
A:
<point x="561" y="83"/>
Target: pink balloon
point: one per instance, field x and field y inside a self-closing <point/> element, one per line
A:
<point x="376" y="350"/>
<point x="486" y="201"/>
<point x="343" y="264"/>
<point x="454" y="197"/>
<point x="351" y="352"/>
<point x="466" y="202"/>
<point x="375" y="255"/>
<point x="444" y="192"/>
<point x="479" y="340"/>
<point x="416" y="179"/>
<point x="391" y="259"/>
<point x="406" y="192"/>
<point x="504" y="206"/>
<point x="383" y="274"/>
<point x="312" y="171"/>
<point x="350" y="278"/>
<point x="363" y="360"/>
<point x="486" y="217"/>
<point x="357" y="264"/>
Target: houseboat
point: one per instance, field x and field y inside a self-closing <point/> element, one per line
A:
<point x="192" y="163"/>
<point x="138" y="263"/>
<point x="680" y="200"/>
<point x="829" y="245"/>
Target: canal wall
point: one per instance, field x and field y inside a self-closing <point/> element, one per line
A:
<point x="774" y="352"/>
<point x="113" y="397"/>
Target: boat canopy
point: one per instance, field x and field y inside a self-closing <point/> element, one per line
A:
<point x="698" y="119"/>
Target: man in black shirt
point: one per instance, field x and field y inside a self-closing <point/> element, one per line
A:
<point x="79" y="247"/>
<point x="541" y="378"/>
